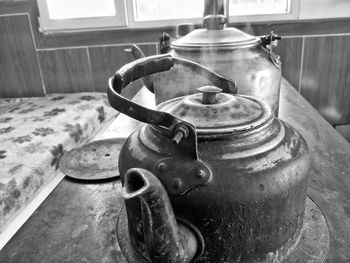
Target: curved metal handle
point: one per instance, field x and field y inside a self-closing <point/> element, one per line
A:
<point x="131" y="72"/>
<point x="147" y="66"/>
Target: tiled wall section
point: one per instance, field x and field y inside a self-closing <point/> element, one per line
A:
<point x="19" y="68"/>
<point x="84" y="68"/>
<point x="325" y="81"/>
<point x="290" y="50"/>
<point x="106" y="60"/>
<point x="318" y="66"/>
<point x="66" y="70"/>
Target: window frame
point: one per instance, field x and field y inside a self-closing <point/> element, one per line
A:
<point x="127" y="19"/>
<point x="293" y="14"/>
<point x="48" y="25"/>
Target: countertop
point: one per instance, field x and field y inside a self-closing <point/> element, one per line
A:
<point x="77" y="222"/>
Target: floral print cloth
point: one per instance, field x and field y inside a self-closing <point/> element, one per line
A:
<point x="34" y="135"/>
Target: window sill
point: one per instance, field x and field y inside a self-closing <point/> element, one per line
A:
<point x="150" y="35"/>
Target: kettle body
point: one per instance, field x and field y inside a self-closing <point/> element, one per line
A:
<point x="251" y="210"/>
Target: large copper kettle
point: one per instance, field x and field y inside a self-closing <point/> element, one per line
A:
<point x="212" y="177"/>
<point x="248" y="59"/>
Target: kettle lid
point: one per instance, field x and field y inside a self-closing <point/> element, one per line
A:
<point x="215" y="33"/>
<point x="228" y="37"/>
<point x="214" y="113"/>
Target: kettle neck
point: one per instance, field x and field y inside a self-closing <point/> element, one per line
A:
<point x="215" y="15"/>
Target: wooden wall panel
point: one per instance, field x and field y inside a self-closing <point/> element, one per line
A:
<point x="290" y="50"/>
<point x="14" y="7"/>
<point x="66" y="70"/>
<point x="106" y="60"/>
<point x="19" y="74"/>
<point x="325" y="79"/>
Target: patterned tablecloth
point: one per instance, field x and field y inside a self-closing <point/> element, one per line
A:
<point x="34" y="134"/>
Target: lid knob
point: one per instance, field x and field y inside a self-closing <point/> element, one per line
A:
<point x="209" y="94"/>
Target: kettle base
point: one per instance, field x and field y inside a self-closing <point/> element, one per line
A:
<point x="313" y="245"/>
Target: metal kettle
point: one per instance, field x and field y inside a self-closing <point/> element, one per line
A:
<point x="212" y="176"/>
<point x="247" y="59"/>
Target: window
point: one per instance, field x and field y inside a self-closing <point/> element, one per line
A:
<point x="146" y="10"/>
<point x="167" y="9"/>
<point x="154" y="13"/>
<point x="104" y="14"/>
<point x="258" y="7"/>
<point x="73" y="15"/>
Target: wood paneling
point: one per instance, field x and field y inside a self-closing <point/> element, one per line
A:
<point x="290" y="49"/>
<point x="15" y="7"/>
<point x="325" y="79"/>
<point x="19" y="69"/>
<point x="106" y="60"/>
<point x="66" y="70"/>
<point x="29" y="7"/>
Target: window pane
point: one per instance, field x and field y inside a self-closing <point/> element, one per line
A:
<point x="146" y="10"/>
<point x="63" y="9"/>
<point x="258" y="7"/>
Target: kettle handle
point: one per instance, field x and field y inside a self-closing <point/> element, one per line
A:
<point x="154" y="64"/>
<point x="131" y="72"/>
<point x="150" y="65"/>
<point x="158" y="63"/>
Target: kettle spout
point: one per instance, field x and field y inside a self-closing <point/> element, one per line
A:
<point x="137" y="53"/>
<point x="166" y="240"/>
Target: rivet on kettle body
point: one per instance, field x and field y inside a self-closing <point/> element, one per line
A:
<point x="162" y="167"/>
<point x="177" y="183"/>
<point x="200" y="173"/>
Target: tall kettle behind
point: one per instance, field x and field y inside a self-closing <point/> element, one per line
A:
<point x="247" y="59"/>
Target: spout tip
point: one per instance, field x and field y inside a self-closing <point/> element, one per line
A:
<point x="135" y="183"/>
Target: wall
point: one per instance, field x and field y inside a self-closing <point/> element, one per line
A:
<point x="315" y="55"/>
